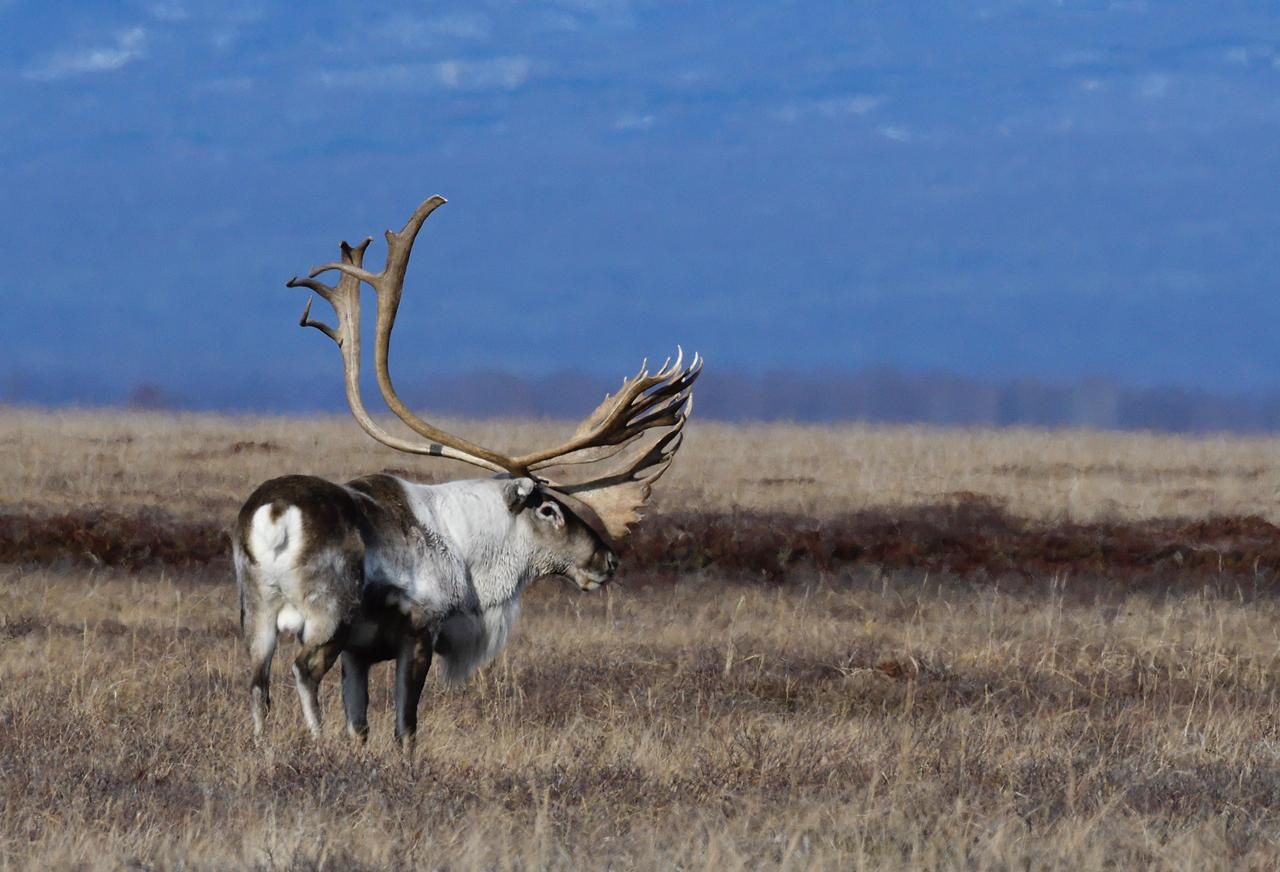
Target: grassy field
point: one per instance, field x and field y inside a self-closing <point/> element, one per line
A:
<point x="205" y="466"/>
<point x="1096" y="688"/>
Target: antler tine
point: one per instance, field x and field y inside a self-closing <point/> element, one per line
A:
<point x="305" y="321"/>
<point x="351" y="265"/>
<point x="658" y="455"/>
<point x="667" y="416"/>
<point x="643" y="402"/>
<point x="667" y="363"/>
<point x="400" y="245"/>
<point x="668" y="394"/>
<point x="318" y="286"/>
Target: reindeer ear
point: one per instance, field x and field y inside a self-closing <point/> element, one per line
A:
<point x="518" y="491"/>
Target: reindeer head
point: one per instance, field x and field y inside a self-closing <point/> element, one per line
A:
<point x="559" y="540"/>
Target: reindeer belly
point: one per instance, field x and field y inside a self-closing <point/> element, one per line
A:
<point x="386" y="616"/>
<point x="469" y="640"/>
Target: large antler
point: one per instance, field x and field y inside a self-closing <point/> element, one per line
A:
<point x="608" y="467"/>
<point x="611" y="481"/>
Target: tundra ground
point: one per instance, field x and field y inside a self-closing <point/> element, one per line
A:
<point x="1032" y="650"/>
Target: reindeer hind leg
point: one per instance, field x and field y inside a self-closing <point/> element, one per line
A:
<point x="329" y="595"/>
<point x="309" y="668"/>
<point x="261" y="628"/>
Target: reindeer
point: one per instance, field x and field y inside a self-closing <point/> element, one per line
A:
<point x="381" y="568"/>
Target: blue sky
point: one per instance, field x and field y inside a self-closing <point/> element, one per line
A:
<point x="1001" y="189"/>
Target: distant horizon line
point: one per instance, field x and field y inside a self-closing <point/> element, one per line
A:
<point x="882" y="394"/>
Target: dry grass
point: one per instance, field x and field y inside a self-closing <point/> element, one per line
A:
<point x="852" y="723"/>
<point x="203" y="464"/>
<point x="835" y="716"/>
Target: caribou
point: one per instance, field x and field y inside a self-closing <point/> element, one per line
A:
<point x="382" y="568"/>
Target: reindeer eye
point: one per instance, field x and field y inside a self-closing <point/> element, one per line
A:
<point x="546" y="510"/>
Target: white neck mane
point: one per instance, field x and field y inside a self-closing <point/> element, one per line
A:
<point x="481" y="532"/>
<point x="490" y="559"/>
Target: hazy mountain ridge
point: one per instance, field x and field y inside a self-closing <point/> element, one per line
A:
<point x="882" y="395"/>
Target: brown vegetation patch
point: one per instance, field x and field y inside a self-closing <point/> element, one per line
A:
<point x="965" y="536"/>
<point x="252" y="445"/>
<point x="103" y="538"/>
<point x="243" y="446"/>
<point x="1124" y="472"/>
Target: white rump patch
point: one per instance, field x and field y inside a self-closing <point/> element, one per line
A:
<point x="276" y="543"/>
